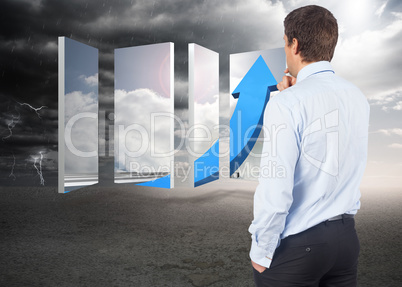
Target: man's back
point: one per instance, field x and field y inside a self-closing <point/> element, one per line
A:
<point x="331" y="120"/>
<point x="317" y="132"/>
<point x="316" y="135"/>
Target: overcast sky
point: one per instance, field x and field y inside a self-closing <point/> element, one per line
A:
<point x="142" y="87"/>
<point x="81" y="96"/>
<point x="368" y="54"/>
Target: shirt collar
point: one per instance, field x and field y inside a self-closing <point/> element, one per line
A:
<point x="314" y="68"/>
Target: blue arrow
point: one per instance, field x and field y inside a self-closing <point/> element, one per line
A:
<point x="206" y="167"/>
<point x="245" y="124"/>
<point x="163" y="182"/>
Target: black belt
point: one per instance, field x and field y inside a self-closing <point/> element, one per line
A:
<point x="340" y="217"/>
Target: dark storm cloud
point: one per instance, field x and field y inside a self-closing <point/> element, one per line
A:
<point x="393" y="5"/>
<point x="29" y="67"/>
<point x="28" y="52"/>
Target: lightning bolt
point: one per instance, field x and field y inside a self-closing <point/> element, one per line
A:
<point x="12" y="169"/>
<point x="34" y="109"/>
<point x="39" y="170"/>
<point x="11" y="125"/>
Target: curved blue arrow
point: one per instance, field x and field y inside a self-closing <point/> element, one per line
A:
<point x="245" y="124"/>
<point x="206" y="167"/>
<point x="163" y="182"/>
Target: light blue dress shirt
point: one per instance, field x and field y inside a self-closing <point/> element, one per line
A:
<point x="314" y="156"/>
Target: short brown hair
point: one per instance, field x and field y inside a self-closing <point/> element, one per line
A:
<point x="316" y="30"/>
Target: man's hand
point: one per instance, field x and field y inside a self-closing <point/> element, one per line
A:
<point x="258" y="267"/>
<point x="287" y="81"/>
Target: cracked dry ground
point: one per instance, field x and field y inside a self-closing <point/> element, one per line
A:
<point x="127" y="236"/>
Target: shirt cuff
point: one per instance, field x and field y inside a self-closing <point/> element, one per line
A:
<point x="260" y="255"/>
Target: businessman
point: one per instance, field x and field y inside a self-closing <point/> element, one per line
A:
<point x="316" y="129"/>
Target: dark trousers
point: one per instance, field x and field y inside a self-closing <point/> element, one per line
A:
<point x="322" y="256"/>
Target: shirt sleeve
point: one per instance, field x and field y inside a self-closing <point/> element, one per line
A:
<point x="273" y="196"/>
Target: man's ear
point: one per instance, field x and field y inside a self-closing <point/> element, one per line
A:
<point x="295" y="46"/>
